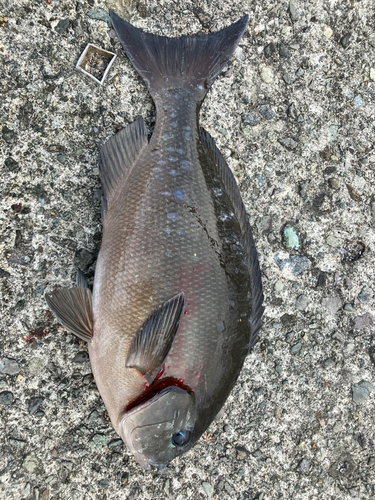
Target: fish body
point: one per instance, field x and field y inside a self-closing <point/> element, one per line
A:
<point x="177" y="296"/>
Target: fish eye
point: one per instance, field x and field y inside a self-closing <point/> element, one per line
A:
<point x="181" y="438"/>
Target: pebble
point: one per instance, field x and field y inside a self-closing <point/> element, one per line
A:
<point x="242" y="453"/>
<point x="62" y="26"/>
<point x="366" y="295"/>
<point x="264" y="224"/>
<point x="100" y="15"/>
<point x="372" y="74"/>
<point x="295" y="264"/>
<point x="32" y="464"/>
<point x="361" y="322"/>
<point x="115" y="442"/>
<point x="35" y="404"/>
<point x="329" y="363"/>
<point x="9" y="366"/>
<point x="168" y="16"/>
<point x="296" y="348"/>
<point x="333" y="131"/>
<point x="266" y="112"/>
<point x="303" y="466"/>
<point x="104" y="483"/>
<point x="302" y="302"/>
<point x="292" y="111"/>
<point x="293" y="12"/>
<point x="93" y="416"/>
<point x="287" y="79"/>
<point x="61" y="158"/>
<point x="83" y="259"/>
<point x="208" y="489"/>
<point x="10" y="163"/>
<point x="328" y="32"/>
<point x="358" y="101"/>
<point x="97" y="442"/>
<point x="6" y="398"/>
<point x="332" y="304"/>
<point x="349" y="307"/>
<point x="345" y="40"/>
<point x="334" y="241"/>
<point x="283" y="51"/>
<point x="288" y="143"/>
<point x="250" y="120"/>
<point x="266" y="73"/>
<point x="269" y="49"/>
<point x="361" y="391"/>
<point x="290" y="237"/>
<point x="8" y="135"/>
<point x="334" y="183"/>
<point x="81" y="357"/>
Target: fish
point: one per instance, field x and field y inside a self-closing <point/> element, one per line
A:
<point x="177" y="297"/>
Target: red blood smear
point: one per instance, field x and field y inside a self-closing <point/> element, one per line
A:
<point x="160" y="373"/>
<point x="39" y="334"/>
<point x="157" y="387"/>
<point x="186" y="313"/>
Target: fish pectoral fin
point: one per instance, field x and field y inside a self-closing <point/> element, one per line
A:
<point x="117" y="157"/>
<point x="153" y="341"/>
<point x="81" y="281"/>
<point x="73" y="307"/>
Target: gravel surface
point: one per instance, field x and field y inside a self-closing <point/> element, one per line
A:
<point x="293" y="113"/>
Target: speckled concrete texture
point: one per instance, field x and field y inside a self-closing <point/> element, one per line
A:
<point x="293" y="113"/>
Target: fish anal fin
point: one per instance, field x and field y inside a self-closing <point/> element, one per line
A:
<point x="225" y="174"/>
<point x="117" y="157"/>
<point x="73" y="308"/>
<point x="154" y="339"/>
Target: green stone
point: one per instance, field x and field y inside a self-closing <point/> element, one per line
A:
<point x="291" y="239"/>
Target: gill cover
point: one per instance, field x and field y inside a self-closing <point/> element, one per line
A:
<point x="161" y="428"/>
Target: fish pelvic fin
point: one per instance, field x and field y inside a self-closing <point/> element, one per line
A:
<point x="153" y="341"/>
<point x="188" y="62"/>
<point x="117" y="157"/>
<point x="73" y="308"/>
<point x="231" y="187"/>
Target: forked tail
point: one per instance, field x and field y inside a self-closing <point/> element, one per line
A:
<point x="188" y="62"/>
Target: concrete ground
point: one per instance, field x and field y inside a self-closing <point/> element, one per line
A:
<point x="293" y="113"/>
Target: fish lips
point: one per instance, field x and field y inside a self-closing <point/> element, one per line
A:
<point x="161" y="427"/>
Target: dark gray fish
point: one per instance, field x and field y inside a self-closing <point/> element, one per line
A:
<point x="177" y="299"/>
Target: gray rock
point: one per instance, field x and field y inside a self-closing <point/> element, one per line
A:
<point x="302" y="302"/>
<point x="293" y="12"/>
<point x="303" y="466"/>
<point x="208" y="489"/>
<point x="250" y="120"/>
<point x="266" y="112"/>
<point x="6" y="398"/>
<point x="345" y="40"/>
<point x="81" y="357"/>
<point x="32" y="464"/>
<point x="296" y="348"/>
<point x="366" y="295"/>
<point x="358" y="101"/>
<point x="8" y="135"/>
<point x="349" y="307"/>
<point x="9" y="366"/>
<point x="35" y="404"/>
<point x="264" y="224"/>
<point x="269" y="49"/>
<point x="83" y="259"/>
<point x="332" y="304"/>
<point x="287" y="79"/>
<point x="329" y="363"/>
<point x="361" y="322"/>
<point x="97" y="442"/>
<point x="115" y="442"/>
<point x="361" y="391"/>
<point x="288" y="143"/>
<point x="100" y="15"/>
<point x="334" y="183"/>
<point x="294" y="264"/>
<point x="283" y="51"/>
<point x="93" y="416"/>
<point x="104" y="483"/>
<point x="62" y="26"/>
<point x="292" y="111"/>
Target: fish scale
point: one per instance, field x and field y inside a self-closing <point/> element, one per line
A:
<point x="177" y="296"/>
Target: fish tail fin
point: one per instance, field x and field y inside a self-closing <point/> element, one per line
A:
<point x="187" y="62"/>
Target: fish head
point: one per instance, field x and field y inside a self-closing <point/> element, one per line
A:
<point x="160" y="428"/>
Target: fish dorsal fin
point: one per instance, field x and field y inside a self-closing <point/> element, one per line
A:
<point x="234" y="194"/>
<point x="153" y="341"/>
<point x="118" y="156"/>
<point x="73" y="307"/>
